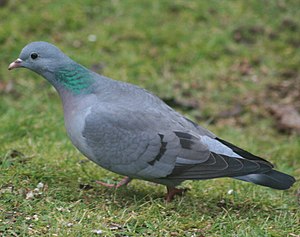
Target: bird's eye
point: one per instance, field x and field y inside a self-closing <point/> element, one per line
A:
<point x="34" y="55"/>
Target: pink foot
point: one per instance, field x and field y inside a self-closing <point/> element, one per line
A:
<point x="171" y="192"/>
<point x="123" y="182"/>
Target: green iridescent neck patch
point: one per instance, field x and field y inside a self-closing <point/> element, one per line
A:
<point x="75" y="78"/>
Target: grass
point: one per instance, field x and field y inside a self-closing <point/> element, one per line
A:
<point x="217" y="53"/>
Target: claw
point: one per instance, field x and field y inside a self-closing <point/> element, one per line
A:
<point x="171" y="192"/>
<point x="123" y="182"/>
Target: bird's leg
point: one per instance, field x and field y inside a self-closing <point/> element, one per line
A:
<point x="172" y="191"/>
<point x="126" y="180"/>
<point x="123" y="182"/>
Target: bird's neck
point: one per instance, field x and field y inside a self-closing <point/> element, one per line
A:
<point x="73" y="78"/>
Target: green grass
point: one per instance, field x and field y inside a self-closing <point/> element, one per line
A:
<point x="217" y="53"/>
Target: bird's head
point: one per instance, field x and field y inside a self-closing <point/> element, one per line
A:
<point x="40" y="57"/>
<point x="50" y="62"/>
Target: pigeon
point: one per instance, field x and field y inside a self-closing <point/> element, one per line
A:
<point x="128" y="130"/>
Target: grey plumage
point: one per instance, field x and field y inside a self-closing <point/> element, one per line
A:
<point x="127" y="130"/>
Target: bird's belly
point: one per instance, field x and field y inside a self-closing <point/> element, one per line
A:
<point x="74" y="123"/>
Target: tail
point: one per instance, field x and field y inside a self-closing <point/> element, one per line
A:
<point x="269" y="178"/>
<point x="273" y="179"/>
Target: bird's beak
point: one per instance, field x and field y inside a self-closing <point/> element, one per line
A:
<point x="15" y="64"/>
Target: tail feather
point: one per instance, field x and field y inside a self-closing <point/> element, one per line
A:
<point x="273" y="179"/>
